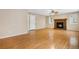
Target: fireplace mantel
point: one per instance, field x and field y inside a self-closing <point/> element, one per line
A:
<point x="60" y="19"/>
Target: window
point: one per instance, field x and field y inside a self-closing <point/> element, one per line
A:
<point x="50" y="20"/>
<point x="73" y="19"/>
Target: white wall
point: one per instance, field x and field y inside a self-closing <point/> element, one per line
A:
<point x="47" y="21"/>
<point x="13" y="22"/>
<point x="50" y="22"/>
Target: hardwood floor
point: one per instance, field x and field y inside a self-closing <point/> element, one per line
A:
<point x="43" y="39"/>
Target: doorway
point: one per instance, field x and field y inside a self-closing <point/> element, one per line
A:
<point x="32" y="22"/>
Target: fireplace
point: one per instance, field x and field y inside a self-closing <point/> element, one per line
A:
<point x="60" y="24"/>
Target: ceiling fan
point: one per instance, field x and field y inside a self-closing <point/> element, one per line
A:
<point x="53" y="12"/>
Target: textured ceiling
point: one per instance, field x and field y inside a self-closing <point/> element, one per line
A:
<point x="47" y="11"/>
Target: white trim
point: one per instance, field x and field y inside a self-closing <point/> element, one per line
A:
<point x="6" y="36"/>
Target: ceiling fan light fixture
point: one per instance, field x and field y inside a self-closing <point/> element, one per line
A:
<point x="53" y="12"/>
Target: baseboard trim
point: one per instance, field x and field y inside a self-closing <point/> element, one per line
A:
<point x="7" y="36"/>
<point x="73" y="30"/>
<point x="2" y="37"/>
<point x="37" y="29"/>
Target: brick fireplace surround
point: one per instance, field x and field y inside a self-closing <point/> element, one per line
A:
<point x="60" y="24"/>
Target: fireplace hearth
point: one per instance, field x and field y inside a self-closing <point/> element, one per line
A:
<point x="60" y="24"/>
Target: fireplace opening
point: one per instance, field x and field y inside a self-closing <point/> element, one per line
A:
<point x="60" y="25"/>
